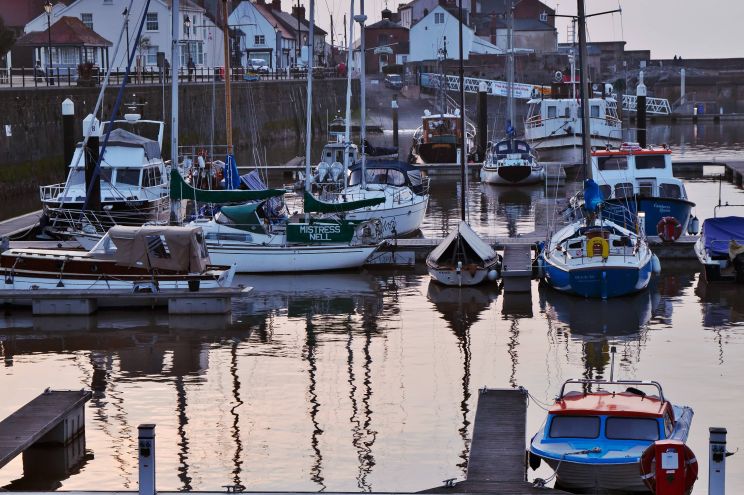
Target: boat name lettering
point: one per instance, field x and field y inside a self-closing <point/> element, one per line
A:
<point x="663" y="208"/>
<point x="320" y="232"/>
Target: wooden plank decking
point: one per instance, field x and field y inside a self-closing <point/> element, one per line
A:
<point x="20" y="224"/>
<point x="31" y="422"/>
<point x="497" y="453"/>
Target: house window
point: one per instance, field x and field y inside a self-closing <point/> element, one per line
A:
<point x="68" y="56"/>
<point x="151" y="55"/>
<point x="152" y="21"/>
<point x="594" y="111"/>
<point x="259" y="40"/>
<point x="439" y="18"/>
<point x="193" y="49"/>
<point x="87" y="20"/>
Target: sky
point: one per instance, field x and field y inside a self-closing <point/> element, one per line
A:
<point x="710" y="29"/>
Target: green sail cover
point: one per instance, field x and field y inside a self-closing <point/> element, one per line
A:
<point x="179" y="189"/>
<point x="315" y="205"/>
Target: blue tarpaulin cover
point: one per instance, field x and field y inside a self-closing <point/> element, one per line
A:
<point x="592" y="195"/>
<point x="719" y="231"/>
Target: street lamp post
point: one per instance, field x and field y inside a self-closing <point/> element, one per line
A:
<point x="48" y="10"/>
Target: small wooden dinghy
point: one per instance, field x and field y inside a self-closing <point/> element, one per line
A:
<point x="463" y="258"/>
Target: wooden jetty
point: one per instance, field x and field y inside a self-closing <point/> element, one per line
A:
<point x="54" y="417"/>
<point x="734" y="172"/>
<point x="497" y="462"/>
<point x="19" y="225"/>
<point x="85" y="302"/>
<point x="516" y="268"/>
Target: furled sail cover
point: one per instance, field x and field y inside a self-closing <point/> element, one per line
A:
<point x="720" y="231"/>
<point x="179" y="189"/>
<point x="592" y="196"/>
<point x="478" y="245"/>
<point x="180" y="249"/>
<point x="315" y="205"/>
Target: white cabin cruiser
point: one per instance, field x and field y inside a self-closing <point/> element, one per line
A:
<point x="511" y="162"/>
<point x="133" y="182"/>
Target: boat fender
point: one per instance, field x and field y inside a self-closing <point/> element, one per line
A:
<point x="533" y="460"/>
<point x="492" y="275"/>
<point x="597" y="246"/>
<point x="655" y="264"/>
<point x="693" y="227"/>
<point x="664" y="472"/>
<point x="540" y="267"/>
<point x="669" y="229"/>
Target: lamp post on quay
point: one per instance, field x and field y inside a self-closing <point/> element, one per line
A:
<point x="48" y="10"/>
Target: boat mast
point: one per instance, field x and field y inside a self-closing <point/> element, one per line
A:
<point x="510" y="64"/>
<point x="309" y="119"/>
<point x="463" y="138"/>
<point x="349" y="60"/>
<point x="175" y="63"/>
<point x="583" y="88"/>
<point x="228" y="92"/>
<point x="361" y="18"/>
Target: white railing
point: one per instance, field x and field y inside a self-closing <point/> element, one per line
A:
<point x="472" y="85"/>
<point x="654" y="106"/>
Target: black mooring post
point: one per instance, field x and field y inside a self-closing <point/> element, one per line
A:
<point x="482" y="119"/>
<point x="394" y="105"/>
<point x="92" y="150"/>
<point x="641" y="111"/>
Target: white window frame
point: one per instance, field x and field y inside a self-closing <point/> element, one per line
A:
<point x="259" y="40"/>
<point x="438" y="17"/>
<point x="151" y="55"/>
<point x="150" y="20"/>
<point x="83" y="15"/>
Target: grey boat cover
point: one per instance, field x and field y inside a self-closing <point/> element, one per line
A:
<point x="478" y="245"/>
<point x="180" y="249"/>
<point x="126" y="139"/>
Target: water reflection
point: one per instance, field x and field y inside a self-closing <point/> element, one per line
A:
<point x="461" y="307"/>
<point x="722" y="303"/>
<point x="511" y="208"/>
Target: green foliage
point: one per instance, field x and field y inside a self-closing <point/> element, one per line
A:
<point x="393" y="69"/>
<point x="7" y="38"/>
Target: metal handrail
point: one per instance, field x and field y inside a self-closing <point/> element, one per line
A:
<point x="586" y="381"/>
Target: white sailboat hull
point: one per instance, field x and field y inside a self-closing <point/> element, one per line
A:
<point x="396" y="220"/>
<point x="490" y="175"/>
<point x="453" y="278"/>
<point x="272" y="259"/>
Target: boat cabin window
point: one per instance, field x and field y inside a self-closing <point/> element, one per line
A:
<point x="646" y="189"/>
<point x="574" y="427"/>
<point x="396" y="178"/>
<point x="672" y="191"/>
<point x="623" y="190"/>
<point x="151" y="177"/>
<point x="128" y="176"/>
<point x="551" y="111"/>
<point x="606" y="190"/>
<point x="612" y="162"/>
<point x="594" y="111"/>
<point x="632" y="429"/>
<point x="644" y="162"/>
<point x="77" y="177"/>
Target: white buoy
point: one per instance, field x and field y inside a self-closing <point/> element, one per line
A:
<point x="655" y="264"/>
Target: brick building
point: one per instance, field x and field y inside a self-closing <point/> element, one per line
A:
<point x="386" y="43"/>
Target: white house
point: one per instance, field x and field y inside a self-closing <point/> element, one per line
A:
<point x="264" y="35"/>
<point x="201" y="39"/>
<point x="438" y="31"/>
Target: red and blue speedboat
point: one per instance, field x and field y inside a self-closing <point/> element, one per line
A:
<point x="594" y="438"/>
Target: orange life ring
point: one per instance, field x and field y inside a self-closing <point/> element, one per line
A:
<point x="669" y="229"/>
<point x="648" y="464"/>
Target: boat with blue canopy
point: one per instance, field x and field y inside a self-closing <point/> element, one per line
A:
<point x="720" y="249"/>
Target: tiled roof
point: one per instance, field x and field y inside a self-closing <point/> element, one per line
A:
<point x="385" y="24"/>
<point x="66" y="31"/>
<point x="18" y="13"/>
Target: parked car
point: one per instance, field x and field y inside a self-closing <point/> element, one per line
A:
<point x="258" y="65"/>
<point x="393" y="81"/>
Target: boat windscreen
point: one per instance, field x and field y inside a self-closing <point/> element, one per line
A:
<point x="632" y="429"/>
<point x="574" y="427"/>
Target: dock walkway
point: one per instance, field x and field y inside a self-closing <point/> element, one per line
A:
<point x="39" y="419"/>
<point x="20" y="224"/>
<point x="516" y="268"/>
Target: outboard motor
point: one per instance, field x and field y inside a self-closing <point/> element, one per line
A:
<point x="337" y="170"/>
<point x="323" y="169"/>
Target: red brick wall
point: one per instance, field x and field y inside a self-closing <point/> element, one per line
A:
<point x="399" y="36"/>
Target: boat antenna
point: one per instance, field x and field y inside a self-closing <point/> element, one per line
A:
<point x="361" y="18"/>
<point x="583" y="80"/>
<point x="613" y="350"/>
<point x="462" y="118"/>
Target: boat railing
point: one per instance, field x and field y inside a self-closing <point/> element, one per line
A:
<point x="631" y="383"/>
<point x="51" y="192"/>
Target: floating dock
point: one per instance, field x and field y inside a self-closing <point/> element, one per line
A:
<point x="516" y="268"/>
<point x="54" y="417"/>
<point x="497" y="462"/>
<point x="85" y="302"/>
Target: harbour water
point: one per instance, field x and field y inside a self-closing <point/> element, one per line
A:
<point x="368" y="380"/>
